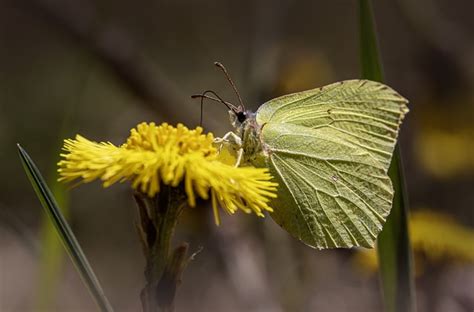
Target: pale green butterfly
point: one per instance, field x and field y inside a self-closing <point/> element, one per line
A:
<point x="329" y="149"/>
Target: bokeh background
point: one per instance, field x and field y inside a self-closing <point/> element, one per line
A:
<point x="100" y="67"/>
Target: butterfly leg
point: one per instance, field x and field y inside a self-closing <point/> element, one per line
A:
<point x="240" y="154"/>
<point x="230" y="138"/>
<point x="233" y="143"/>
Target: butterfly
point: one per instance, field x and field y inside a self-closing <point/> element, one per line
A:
<point x="329" y="149"/>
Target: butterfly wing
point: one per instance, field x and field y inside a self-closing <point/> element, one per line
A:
<point x="331" y="193"/>
<point x="330" y="149"/>
<point x="365" y="113"/>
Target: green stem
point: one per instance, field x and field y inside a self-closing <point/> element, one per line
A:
<point x="158" y="217"/>
<point x="393" y="244"/>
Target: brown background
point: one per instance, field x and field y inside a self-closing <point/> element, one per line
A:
<point x="100" y="67"/>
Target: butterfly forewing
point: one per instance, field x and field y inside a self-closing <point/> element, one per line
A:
<point x="365" y="113"/>
<point x="329" y="149"/>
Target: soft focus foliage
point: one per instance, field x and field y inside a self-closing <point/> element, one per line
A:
<point x="434" y="236"/>
<point x="446" y="154"/>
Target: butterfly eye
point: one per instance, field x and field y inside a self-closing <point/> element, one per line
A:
<point x="241" y="116"/>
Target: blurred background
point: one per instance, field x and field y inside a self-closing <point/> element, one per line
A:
<point x="100" y="67"/>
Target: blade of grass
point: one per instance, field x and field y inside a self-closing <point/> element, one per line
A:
<point x="64" y="231"/>
<point x="371" y="66"/>
<point x="52" y="253"/>
<point x="393" y="246"/>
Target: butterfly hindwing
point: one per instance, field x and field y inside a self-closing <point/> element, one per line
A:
<point x="365" y="113"/>
<point x="331" y="193"/>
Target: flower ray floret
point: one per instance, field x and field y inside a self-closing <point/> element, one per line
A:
<point x="155" y="155"/>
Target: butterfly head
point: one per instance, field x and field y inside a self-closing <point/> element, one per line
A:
<point x="237" y="113"/>
<point x="237" y="117"/>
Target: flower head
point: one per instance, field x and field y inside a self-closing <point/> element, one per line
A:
<point x="155" y="155"/>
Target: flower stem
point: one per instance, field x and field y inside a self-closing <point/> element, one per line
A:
<point x="157" y="219"/>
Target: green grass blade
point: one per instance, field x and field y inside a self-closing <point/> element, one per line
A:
<point x="371" y="66"/>
<point x="393" y="248"/>
<point x="64" y="231"/>
<point x="393" y="245"/>
<point x="52" y="253"/>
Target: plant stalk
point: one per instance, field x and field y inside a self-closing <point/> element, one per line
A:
<point x="157" y="219"/>
<point x="393" y="244"/>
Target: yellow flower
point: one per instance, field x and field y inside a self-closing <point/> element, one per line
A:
<point x="173" y="156"/>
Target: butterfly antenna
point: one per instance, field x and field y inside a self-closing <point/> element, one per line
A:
<point x="217" y="98"/>
<point x="224" y="70"/>
<point x="202" y="107"/>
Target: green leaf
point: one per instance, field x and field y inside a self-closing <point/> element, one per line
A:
<point x="64" y="231"/>
<point x="393" y="246"/>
